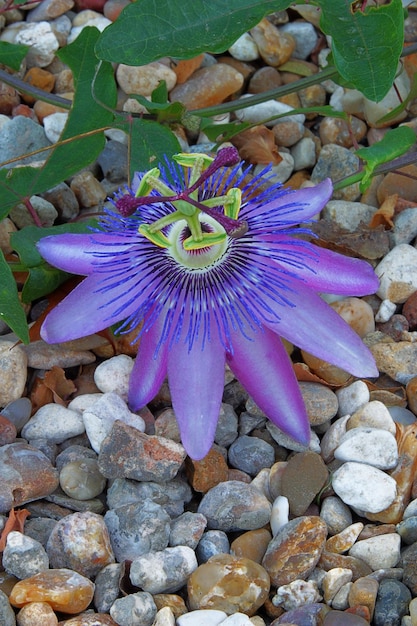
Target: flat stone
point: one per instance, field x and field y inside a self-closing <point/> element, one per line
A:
<point x="374" y="414"/>
<point x="208" y="617"/>
<point x="187" y="529"/>
<point x="127" y="452"/>
<point x="42" y="355"/>
<point x="303" y="478"/>
<point x="251" y="544"/>
<point x="320" y="402"/>
<point x="234" y="505"/>
<point x="295" y="550"/>
<point x="397" y="359"/>
<point x="345" y="539"/>
<point x="251" y="454"/>
<point x="347" y="214"/>
<point x="107" y="587"/>
<point x="230" y="584"/>
<point x="20" y="136"/>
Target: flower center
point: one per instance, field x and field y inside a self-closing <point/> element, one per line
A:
<point x="197" y="258"/>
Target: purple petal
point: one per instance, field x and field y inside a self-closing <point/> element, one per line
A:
<point x="150" y="368"/>
<point x="293" y="207"/>
<point x="321" y="269"/>
<point x="265" y="370"/>
<point x="196" y="381"/>
<point x="89" y="308"/>
<point x="314" y="326"/>
<point x="81" y="254"/>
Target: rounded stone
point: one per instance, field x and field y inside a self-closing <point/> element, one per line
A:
<point x="251" y="545"/>
<point x="244" y="48"/>
<point x="55" y="423"/>
<point x="82" y="479"/>
<point x="374" y="414"/>
<point x="230" y="584"/>
<point x="364" y="487"/>
<point x="24" y="556"/>
<point x="134" y="608"/>
<point x="357" y="313"/>
<point x="113" y="375"/>
<point x="343" y="618"/>
<point x="107" y="587"/>
<point x="80" y="541"/>
<point x="336" y="514"/>
<point x="320" y="402"/>
<point x="295" y="550"/>
<point x="397" y="273"/>
<point x="37" y="613"/>
<point x="208" y="86"/>
<point x="275" y="47"/>
<point x="251" y="454"/>
<point x="8" y="431"/>
<point x="165" y="571"/>
<point x="144" y="79"/>
<point x="234" y="505"/>
<point x="212" y="542"/>
<point x="409" y="310"/>
<point x="380" y="552"/>
<point x="392" y="603"/>
<point x="352" y="397"/>
<point x="374" y="446"/>
<point x="63" y="589"/>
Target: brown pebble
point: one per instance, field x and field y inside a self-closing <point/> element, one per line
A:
<point x="363" y="592"/>
<point x="334" y="130"/>
<point x="208" y="86"/>
<point x="396" y="182"/>
<point x="210" y="471"/>
<point x="185" y="68"/>
<point x="175" y="603"/>
<point x="40" y="78"/>
<point x="25" y="110"/>
<point x="295" y="550"/>
<point x="264" y="79"/>
<point x="302" y="479"/>
<point x="374" y="530"/>
<point x="329" y="560"/>
<point x="87" y="189"/>
<point x="275" y="47"/>
<point x="43" y="109"/>
<point x="395" y="327"/>
<point x="411" y="391"/>
<point x="113" y="8"/>
<point x="252" y="544"/>
<point x="9" y="99"/>
<point x="343" y="618"/>
<point x="410" y="311"/>
<point x="63" y="589"/>
<point x="8" y="431"/>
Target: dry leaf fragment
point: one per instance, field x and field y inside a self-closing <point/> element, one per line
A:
<point x="365" y="242"/>
<point x="257" y="145"/>
<point x="384" y="215"/>
<point x="15" y="521"/>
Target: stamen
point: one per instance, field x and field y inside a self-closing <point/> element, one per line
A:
<point x="226" y="157"/>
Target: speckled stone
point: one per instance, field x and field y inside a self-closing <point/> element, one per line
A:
<point x="55" y="423"/>
<point x="37" y="613"/>
<point x="187" y="529"/>
<point x="13" y="371"/>
<point x="275" y="47"/>
<point x="144" y="79"/>
<point x="91" y="619"/>
<point x="234" y="505"/>
<point x="251" y="454"/>
<point x="80" y="541"/>
<point x="330" y="560"/>
<point x="364" y="487"/>
<point x="345" y="539"/>
<point x="337" y="162"/>
<point x="409" y="564"/>
<point x="343" y="618"/>
<point x="302" y="479"/>
<point x="228" y="583"/>
<point x="24" y="556"/>
<point x="165" y="571"/>
<point x="392" y="603"/>
<point x="64" y="589"/>
<point x="136" y="607"/>
<point x="363" y="592"/>
<point x="320" y="402"/>
<point x="107" y="587"/>
<point x="6" y="610"/>
<point x="295" y="550"/>
<point x="212" y="542"/>
<point x="397" y="273"/>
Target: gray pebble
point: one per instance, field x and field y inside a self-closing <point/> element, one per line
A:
<point x="251" y="454"/>
<point x="234" y="505"/>
<point x="107" y="587"/>
<point x="171" y="495"/>
<point x="305" y="37"/>
<point x="44" y="356"/>
<point x="405" y="227"/>
<point x="113" y="161"/>
<point x="226" y="430"/>
<point x="7" y="614"/>
<point x="348" y="215"/>
<point x="392" y="603"/>
<point x="165" y="571"/>
<point x="211" y="543"/>
<point x="407" y="529"/>
<point x="136" y="529"/>
<point x="248" y="422"/>
<point x="54" y="423"/>
<point x="20" y="136"/>
<point x="18" y="412"/>
<point x="23" y="556"/>
<point x="73" y="453"/>
<point x="64" y="200"/>
<point x="337" y="162"/>
<point x="135" y="608"/>
<point x="39" y="528"/>
<point x="336" y="514"/>
<point x="187" y="529"/>
<point x="82" y="479"/>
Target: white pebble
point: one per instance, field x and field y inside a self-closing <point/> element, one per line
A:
<point x="364" y="487"/>
<point x="83" y="402"/>
<point x="386" y="311"/>
<point x="99" y="22"/>
<point x="375" y="415"/>
<point x="380" y="552"/>
<point x="341" y="599"/>
<point x="100" y="417"/>
<point x="114" y="375"/>
<point x="397" y="273"/>
<point x="279" y="173"/>
<point x="237" y="619"/>
<point x="333" y="581"/>
<point x="297" y="593"/>
<point x="258" y="113"/>
<point x="398" y="93"/>
<point x="279" y="514"/>
<point x="304" y="154"/>
<point x="244" y="48"/>
<point x="305" y="36"/>
<point x="209" y="617"/>
<point x="54" y="423"/>
<point x="42" y="41"/>
<point x="54" y="125"/>
<point x="164" y="617"/>
<point x="332" y="437"/>
<point x="352" y="397"/>
<point x="374" y="446"/>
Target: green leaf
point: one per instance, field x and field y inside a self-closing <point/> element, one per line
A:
<point x="86" y="118"/>
<point x="393" y="144"/>
<point x="11" y="310"/>
<point x="12" y="54"/>
<point x="366" y="45"/>
<point x="149" y="144"/>
<point x="147" y="30"/>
